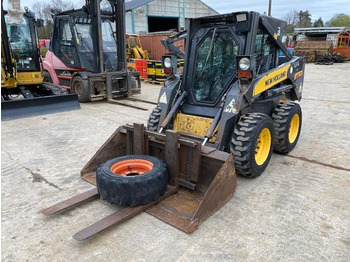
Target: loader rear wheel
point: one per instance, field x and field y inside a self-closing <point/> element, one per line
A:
<point x="251" y="144"/>
<point x="132" y="180"/>
<point x="81" y="88"/>
<point x="153" y="120"/>
<point x="287" y="119"/>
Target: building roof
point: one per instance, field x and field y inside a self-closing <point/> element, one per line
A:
<point x="319" y="30"/>
<point x="209" y="7"/>
<point x="133" y="4"/>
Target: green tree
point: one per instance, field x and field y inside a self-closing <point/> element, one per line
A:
<point x="43" y="10"/>
<point x="304" y="19"/>
<point x="45" y="31"/>
<point x="291" y="19"/>
<point x="339" y="20"/>
<point x="290" y="29"/>
<point x="318" y="23"/>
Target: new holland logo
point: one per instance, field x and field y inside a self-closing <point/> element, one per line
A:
<point x="275" y="78"/>
<point x="271" y="79"/>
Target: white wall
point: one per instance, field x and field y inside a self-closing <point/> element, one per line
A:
<point x="171" y="8"/>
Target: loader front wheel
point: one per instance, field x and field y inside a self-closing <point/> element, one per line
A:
<point x="132" y="180"/>
<point x="81" y="88"/>
<point x="287" y="119"/>
<point x="153" y="120"/>
<point x="252" y="144"/>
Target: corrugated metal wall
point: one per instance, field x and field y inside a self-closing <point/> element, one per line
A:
<point x="152" y="43"/>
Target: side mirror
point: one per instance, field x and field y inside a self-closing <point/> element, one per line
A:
<point x="39" y="22"/>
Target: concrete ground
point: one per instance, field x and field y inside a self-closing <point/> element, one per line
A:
<point x="298" y="210"/>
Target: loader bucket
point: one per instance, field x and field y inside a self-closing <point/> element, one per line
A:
<point x="204" y="177"/>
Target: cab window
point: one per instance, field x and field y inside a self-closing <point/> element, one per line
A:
<point x="215" y="65"/>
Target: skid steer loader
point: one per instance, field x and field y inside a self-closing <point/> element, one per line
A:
<point x="235" y="95"/>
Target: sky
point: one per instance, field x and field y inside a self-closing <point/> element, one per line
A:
<point x="317" y="8"/>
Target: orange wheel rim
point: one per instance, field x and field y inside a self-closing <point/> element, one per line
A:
<point x="132" y="167"/>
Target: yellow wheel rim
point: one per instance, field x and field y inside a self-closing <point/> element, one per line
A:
<point x="263" y="146"/>
<point x="294" y="128"/>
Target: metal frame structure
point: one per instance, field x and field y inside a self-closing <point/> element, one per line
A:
<point x="206" y="176"/>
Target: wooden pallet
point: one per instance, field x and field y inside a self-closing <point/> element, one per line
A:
<point x="153" y="82"/>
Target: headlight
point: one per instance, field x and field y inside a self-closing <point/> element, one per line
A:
<point x="167" y="62"/>
<point x="244" y="64"/>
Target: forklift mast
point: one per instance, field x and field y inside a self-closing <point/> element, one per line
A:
<point x="118" y="16"/>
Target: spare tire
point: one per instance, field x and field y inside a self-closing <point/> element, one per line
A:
<point x="132" y="180"/>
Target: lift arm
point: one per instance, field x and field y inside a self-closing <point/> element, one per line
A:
<point x="168" y="43"/>
<point x="273" y="35"/>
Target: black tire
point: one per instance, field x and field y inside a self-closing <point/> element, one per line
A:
<point x="153" y="120"/>
<point x="138" y="189"/>
<point x="81" y="87"/>
<point x="47" y="77"/>
<point x="282" y="119"/>
<point x="244" y="144"/>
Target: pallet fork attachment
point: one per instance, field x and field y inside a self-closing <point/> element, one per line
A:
<point x="201" y="179"/>
<point x="124" y="78"/>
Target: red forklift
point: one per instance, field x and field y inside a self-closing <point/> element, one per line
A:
<point x="83" y="56"/>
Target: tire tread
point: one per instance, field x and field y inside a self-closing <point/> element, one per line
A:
<point x="132" y="191"/>
<point x="242" y="143"/>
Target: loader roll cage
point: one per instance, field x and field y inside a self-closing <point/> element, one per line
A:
<point x="214" y="87"/>
<point x="244" y="33"/>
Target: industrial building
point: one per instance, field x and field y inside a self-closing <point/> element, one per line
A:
<point x="313" y="42"/>
<point x="146" y="16"/>
<point x="320" y="33"/>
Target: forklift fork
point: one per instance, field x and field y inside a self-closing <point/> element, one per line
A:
<point x="201" y="179"/>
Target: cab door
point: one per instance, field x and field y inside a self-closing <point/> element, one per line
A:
<point x="64" y="42"/>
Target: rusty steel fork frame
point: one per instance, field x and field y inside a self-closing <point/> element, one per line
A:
<point x="201" y="179"/>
